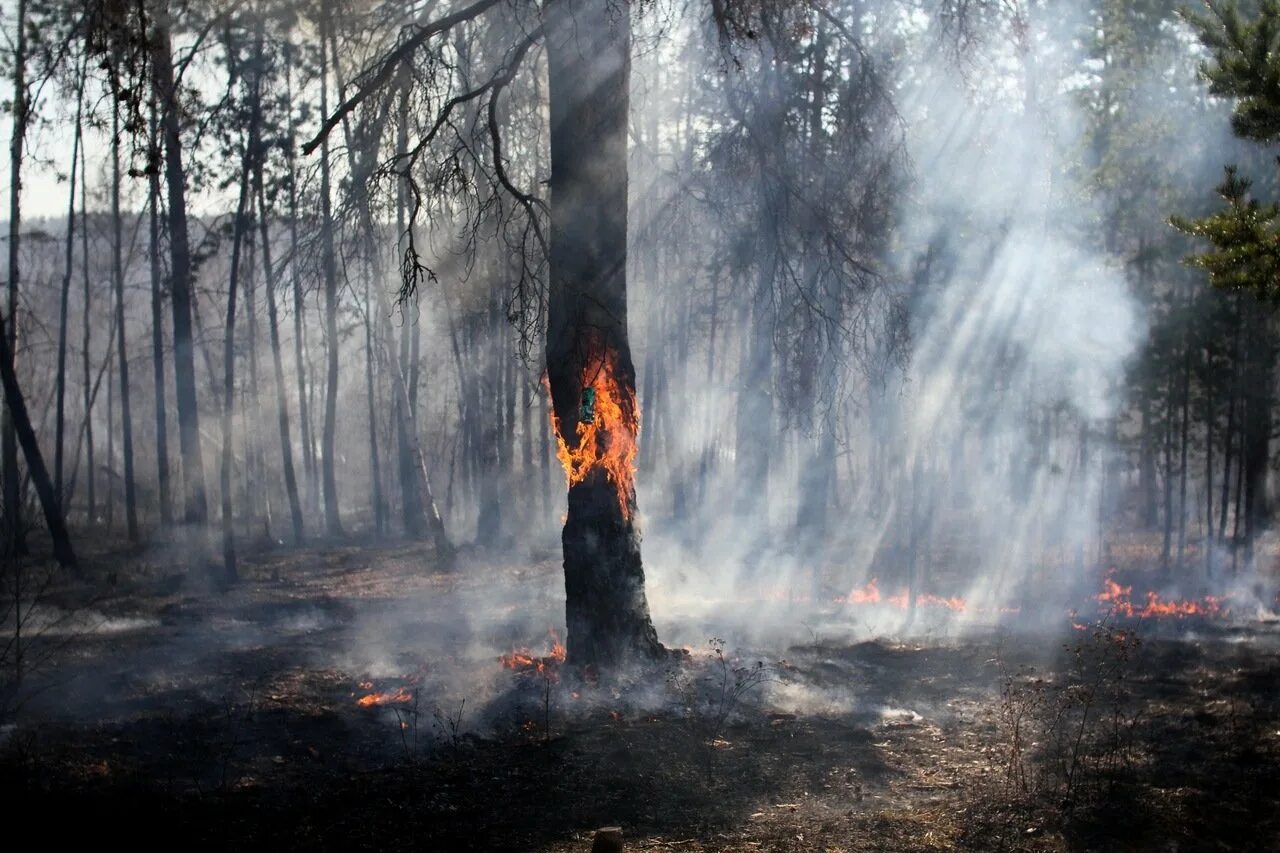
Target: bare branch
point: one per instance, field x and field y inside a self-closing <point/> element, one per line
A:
<point x="391" y="62"/>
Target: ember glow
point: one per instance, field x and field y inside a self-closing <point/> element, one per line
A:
<point x="608" y="424"/>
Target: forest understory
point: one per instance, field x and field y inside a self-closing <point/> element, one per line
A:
<point x="159" y="714"/>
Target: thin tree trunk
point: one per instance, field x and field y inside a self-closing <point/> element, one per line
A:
<point x="157" y="321"/>
<point x="1233" y="404"/>
<point x="375" y="463"/>
<point x="1210" y="398"/>
<point x="1166" y="548"/>
<point x="117" y="276"/>
<point x="90" y="389"/>
<point x="15" y="535"/>
<point x="229" y="362"/>
<point x="411" y="501"/>
<point x="299" y="305"/>
<point x="333" y="523"/>
<point x="26" y="436"/>
<point x="277" y="363"/>
<point x="195" y="502"/>
<point x="59" y="439"/>
<point x="1183" y="442"/>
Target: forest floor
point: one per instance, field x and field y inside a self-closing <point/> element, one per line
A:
<point x="159" y="712"/>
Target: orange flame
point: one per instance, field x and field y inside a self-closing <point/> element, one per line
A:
<point x="608" y="440"/>
<point x="523" y="660"/>
<point x="1119" y="600"/>
<point x="399" y="696"/>
<point x="870" y="594"/>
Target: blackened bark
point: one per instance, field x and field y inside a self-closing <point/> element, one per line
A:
<point x="588" y="55"/>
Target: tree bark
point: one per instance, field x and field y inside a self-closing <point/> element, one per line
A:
<point x="117" y="277"/>
<point x="195" y="502"/>
<point x="157" y="328"/>
<point x="588" y="55"/>
<point x="59" y="430"/>
<point x="239" y="227"/>
<point x="299" y="306"/>
<point x="90" y="387"/>
<point x="333" y="522"/>
<point x="375" y="462"/>
<point x="26" y="436"/>
<point x="15" y="535"/>
<point x="277" y="363"/>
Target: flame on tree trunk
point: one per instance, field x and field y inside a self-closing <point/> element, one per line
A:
<point x="589" y="368"/>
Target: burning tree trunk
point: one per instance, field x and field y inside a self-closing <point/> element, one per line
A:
<point x="589" y="368"/>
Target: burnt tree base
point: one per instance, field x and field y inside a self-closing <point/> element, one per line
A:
<point x="606" y="611"/>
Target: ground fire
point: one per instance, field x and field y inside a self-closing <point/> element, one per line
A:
<point x="523" y="660"/>
<point x="719" y="426"/>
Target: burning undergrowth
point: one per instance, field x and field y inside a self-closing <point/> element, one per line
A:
<point x="366" y="685"/>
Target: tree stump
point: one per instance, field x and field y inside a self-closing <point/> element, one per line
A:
<point x="608" y="840"/>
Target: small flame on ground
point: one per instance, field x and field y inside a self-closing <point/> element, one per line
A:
<point x="870" y="594"/>
<point x="523" y="660"/>
<point x="1119" y="600"/>
<point x="399" y="696"/>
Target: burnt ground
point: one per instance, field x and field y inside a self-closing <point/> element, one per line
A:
<point x="157" y="712"/>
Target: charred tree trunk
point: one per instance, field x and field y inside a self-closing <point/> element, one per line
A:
<point x="375" y="460"/>
<point x="328" y="449"/>
<point x="1230" y="434"/>
<point x="157" y="330"/>
<point x="1184" y="440"/>
<point x="117" y="277"/>
<point x="1210" y="416"/>
<point x="1257" y="429"/>
<point x="410" y="500"/>
<point x="1166" y="547"/>
<point x="26" y="437"/>
<point x="195" y="503"/>
<point x="239" y="229"/>
<point x="299" y="307"/>
<point x="589" y="367"/>
<point x="277" y="362"/>
<point x="14" y="533"/>
<point x="60" y="417"/>
<point x="90" y="388"/>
